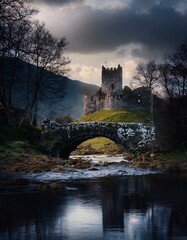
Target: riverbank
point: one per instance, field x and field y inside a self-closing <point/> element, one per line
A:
<point x="170" y="162"/>
<point x="85" y="167"/>
<point x="21" y="156"/>
<point x="22" y="166"/>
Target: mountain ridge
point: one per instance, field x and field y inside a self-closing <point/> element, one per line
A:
<point x="73" y="102"/>
<point x="71" y="92"/>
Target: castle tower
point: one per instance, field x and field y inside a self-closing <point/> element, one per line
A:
<point x="111" y="79"/>
<point x="110" y="96"/>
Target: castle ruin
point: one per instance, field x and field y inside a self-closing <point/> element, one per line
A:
<point x="112" y="96"/>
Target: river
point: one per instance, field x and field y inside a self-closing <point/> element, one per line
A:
<point x="116" y="204"/>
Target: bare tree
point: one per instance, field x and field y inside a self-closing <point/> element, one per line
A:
<point x="14" y="24"/>
<point x="47" y="54"/>
<point x="173" y="73"/>
<point x="167" y="81"/>
<point x="171" y="120"/>
<point x="146" y="75"/>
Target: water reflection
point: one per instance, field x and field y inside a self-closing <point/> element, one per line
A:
<point x="132" y="207"/>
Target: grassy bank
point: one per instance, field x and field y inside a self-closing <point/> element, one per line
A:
<point x="116" y="116"/>
<point x="171" y="162"/>
<point x="18" y="156"/>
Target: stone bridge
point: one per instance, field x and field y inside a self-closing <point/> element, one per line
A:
<point x="134" y="137"/>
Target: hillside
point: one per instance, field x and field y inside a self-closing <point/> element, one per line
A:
<point x="64" y="95"/>
<point x="116" y="116"/>
<point x="73" y="102"/>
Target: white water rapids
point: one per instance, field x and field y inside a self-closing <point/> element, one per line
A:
<point x="119" y="167"/>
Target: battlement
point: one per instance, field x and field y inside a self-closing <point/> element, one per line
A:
<point x="111" y="70"/>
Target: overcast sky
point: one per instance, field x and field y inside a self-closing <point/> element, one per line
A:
<point x="112" y="32"/>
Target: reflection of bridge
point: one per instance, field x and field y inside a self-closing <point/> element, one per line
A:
<point x="66" y="138"/>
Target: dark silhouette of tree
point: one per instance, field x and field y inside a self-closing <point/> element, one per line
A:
<point x="173" y="73"/>
<point x="171" y="118"/>
<point x="146" y="75"/>
<point x="169" y="78"/>
<point x="21" y="38"/>
<point x="47" y="54"/>
<point x="14" y="24"/>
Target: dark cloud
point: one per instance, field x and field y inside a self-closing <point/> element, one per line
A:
<point x="59" y="2"/>
<point x="161" y="27"/>
<point x="146" y="5"/>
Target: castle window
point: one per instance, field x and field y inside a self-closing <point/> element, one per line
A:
<point x="112" y="86"/>
<point x="139" y="98"/>
<point x="121" y="96"/>
<point x="113" y="96"/>
<point x="91" y="98"/>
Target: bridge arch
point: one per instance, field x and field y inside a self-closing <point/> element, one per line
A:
<point x="64" y="150"/>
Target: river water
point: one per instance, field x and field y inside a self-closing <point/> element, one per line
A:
<point x="140" y="205"/>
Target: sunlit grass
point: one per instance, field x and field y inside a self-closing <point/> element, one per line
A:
<point x="116" y="116"/>
<point x="98" y="142"/>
